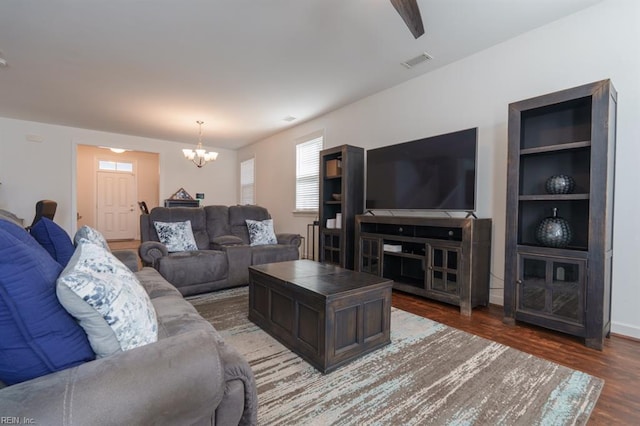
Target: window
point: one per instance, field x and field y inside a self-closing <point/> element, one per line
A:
<point x="308" y="173"/>
<point x="247" y="191"/>
<point x="115" y="166"/>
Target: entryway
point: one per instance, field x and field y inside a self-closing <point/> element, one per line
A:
<point x="109" y="186"/>
<point x="117" y="205"/>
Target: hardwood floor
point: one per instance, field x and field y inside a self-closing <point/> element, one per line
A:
<point x="618" y="364"/>
<point x="124" y="244"/>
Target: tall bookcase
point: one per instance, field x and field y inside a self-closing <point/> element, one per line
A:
<point x="341" y="198"/>
<point x="566" y="287"/>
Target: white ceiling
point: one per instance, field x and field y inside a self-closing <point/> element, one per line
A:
<point x="153" y="67"/>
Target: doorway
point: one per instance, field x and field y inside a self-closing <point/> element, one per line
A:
<point x="105" y="198"/>
<point x="116" y="194"/>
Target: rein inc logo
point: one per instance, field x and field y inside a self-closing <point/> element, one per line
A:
<point x="6" y="420"/>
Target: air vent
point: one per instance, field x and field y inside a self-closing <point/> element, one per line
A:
<point x="417" y="60"/>
<point x="289" y="118"/>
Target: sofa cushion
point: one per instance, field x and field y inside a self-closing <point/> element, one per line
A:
<point x="217" y="221"/>
<point x="107" y="299"/>
<point x="193" y="267"/>
<point x="261" y="232"/>
<point x="90" y="234"/>
<point x="273" y="253"/>
<point x="54" y="239"/>
<point x="177" y="236"/>
<point x="38" y="336"/>
<point x="156" y="286"/>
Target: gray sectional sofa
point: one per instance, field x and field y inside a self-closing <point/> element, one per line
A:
<point x="224" y="252"/>
<point x="188" y="376"/>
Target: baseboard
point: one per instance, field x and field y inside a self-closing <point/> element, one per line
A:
<point x="496" y="299"/>
<point x="618" y="328"/>
<point x="627" y="330"/>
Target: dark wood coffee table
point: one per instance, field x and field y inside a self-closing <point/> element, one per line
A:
<point x="325" y="314"/>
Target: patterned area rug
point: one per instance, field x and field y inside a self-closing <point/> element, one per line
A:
<point x="429" y="374"/>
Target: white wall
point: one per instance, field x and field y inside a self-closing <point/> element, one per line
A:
<point x="30" y="171"/>
<point x="597" y="43"/>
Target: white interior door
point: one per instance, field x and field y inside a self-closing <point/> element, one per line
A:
<point x="116" y="211"/>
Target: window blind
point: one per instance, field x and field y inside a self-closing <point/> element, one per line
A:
<point x="247" y="191"/>
<point x="308" y="174"/>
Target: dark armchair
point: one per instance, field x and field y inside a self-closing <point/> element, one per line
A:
<point x="44" y="208"/>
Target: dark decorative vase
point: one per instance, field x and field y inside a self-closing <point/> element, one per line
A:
<point x="554" y="231"/>
<point x="560" y="184"/>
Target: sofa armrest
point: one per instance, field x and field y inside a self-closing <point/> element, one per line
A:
<point x="219" y="243"/>
<point x="128" y="257"/>
<point x="177" y="380"/>
<point x="289" y="239"/>
<point x="151" y="251"/>
<point x="237" y="368"/>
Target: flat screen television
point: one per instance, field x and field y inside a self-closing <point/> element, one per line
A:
<point x="436" y="173"/>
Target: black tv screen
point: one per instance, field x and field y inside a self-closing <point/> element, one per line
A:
<point x="436" y="173"/>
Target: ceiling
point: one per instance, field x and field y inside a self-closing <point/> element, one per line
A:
<point x="152" y="68"/>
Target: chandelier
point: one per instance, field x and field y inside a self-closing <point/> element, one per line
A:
<point x="199" y="156"/>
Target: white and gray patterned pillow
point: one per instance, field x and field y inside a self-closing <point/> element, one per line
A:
<point x="90" y="234"/>
<point x="177" y="236"/>
<point x="107" y="299"/>
<point x="261" y="232"/>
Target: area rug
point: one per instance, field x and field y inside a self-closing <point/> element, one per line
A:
<point x="429" y="374"/>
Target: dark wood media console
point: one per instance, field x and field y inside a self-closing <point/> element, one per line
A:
<point x="326" y="314"/>
<point x="446" y="259"/>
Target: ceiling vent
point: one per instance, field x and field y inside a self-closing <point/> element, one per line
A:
<point x="289" y="118"/>
<point x="417" y="60"/>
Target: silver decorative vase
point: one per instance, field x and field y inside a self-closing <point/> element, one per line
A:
<point x="560" y="184"/>
<point x="554" y="231"/>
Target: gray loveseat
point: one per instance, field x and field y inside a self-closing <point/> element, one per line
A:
<point x="224" y="252"/>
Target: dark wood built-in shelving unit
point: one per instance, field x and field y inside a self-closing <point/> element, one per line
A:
<point x="571" y="132"/>
<point x="337" y="245"/>
<point x="445" y="259"/>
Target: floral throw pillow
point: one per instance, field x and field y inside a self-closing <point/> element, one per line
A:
<point x="90" y="234"/>
<point x="177" y="236"/>
<point x="107" y="300"/>
<point x="261" y="232"/>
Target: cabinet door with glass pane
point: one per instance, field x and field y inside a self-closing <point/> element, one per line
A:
<point x="549" y="287"/>
<point x="444" y="269"/>
<point x="370" y="254"/>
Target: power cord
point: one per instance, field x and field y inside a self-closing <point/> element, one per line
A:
<point x="499" y="279"/>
